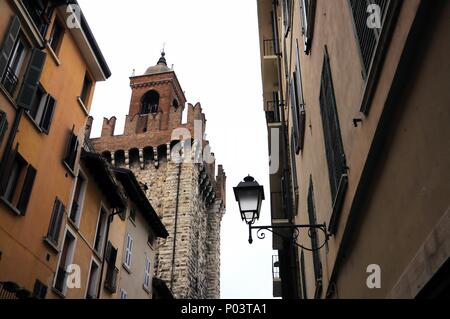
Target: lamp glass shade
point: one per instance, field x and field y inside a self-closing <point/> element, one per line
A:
<point x="249" y="216"/>
<point x="248" y="199"/>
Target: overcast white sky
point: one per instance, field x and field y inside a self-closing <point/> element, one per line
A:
<point x="215" y="51"/>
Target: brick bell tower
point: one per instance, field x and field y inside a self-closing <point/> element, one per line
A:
<point x="187" y="194"/>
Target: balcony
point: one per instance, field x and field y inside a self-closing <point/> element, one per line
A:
<point x="276" y="277"/>
<point x="272" y="109"/>
<point x="111" y="279"/>
<point x="270" y="48"/>
<point x="10" y="81"/>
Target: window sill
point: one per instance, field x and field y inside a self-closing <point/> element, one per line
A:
<point x="127" y="269"/>
<point x="13" y="209"/>
<point x="132" y="221"/>
<point x="53" y="54"/>
<point x="337" y="204"/>
<point x="36" y="126"/>
<point x="83" y="106"/>
<point x="73" y="224"/>
<point x="69" y="169"/>
<point x="58" y="293"/>
<point x="52" y="245"/>
<point x="146" y="289"/>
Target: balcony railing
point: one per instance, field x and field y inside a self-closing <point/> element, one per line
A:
<point x="61" y="279"/>
<point x="111" y="279"/>
<point x="10" y="81"/>
<point x="270" y="48"/>
<point x="273" y="109"/>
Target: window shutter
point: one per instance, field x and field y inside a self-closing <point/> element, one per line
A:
<point x="56" y="221"/>
<point x="71" y="150"/>
<point x="26" y="190"/>
<point x="7" y="169"/>
<point x="8" y="44"/>
<point x="313" y="232"/>
<point x="48" y="114"/>
<point x="295" y="115"/>
<point x="3" y="125"/>
<point x="31" y="79"/>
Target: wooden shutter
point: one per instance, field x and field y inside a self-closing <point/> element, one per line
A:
<point x="71" y="150"/>
<point x="9" y="162"/>
<point x="8" y="44"/>
<point x="48" y="114"/>
<point x="313" y="232"/>
<point x="56" y="221"/>
<point x="31" y="79"/>
<point x="26" y="190"/>
<point x="332" y="133"/>
<point x="294" y="109"/>
<point x="3" y="125"/>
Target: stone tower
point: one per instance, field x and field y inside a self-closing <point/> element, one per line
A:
<point x="172" y="161"/>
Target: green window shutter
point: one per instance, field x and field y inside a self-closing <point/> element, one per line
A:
<point x="26" y="190"/>
<point x="8" y="44"/>
<point x="31" y="79"/>
<point x="8" y="164"/>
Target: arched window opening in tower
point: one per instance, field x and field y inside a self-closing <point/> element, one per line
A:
<point x="134" y="157"/>
<point x="175" y="104"/>
<point x="162" y="152"/>
<point x="119" y="157"/>
<point x="150" y="102"/>
<point x="148" y="155"/>
<point x="107" y="156"/>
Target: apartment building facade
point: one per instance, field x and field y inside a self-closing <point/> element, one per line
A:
<point x="355" y="96"/>
<point x="49" y="65"/>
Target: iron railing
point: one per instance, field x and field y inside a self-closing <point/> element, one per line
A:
<point x="270" y="47"/>
<point x="10" y="81"/>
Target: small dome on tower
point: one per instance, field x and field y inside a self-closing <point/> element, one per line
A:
<point x="160" y="67"/>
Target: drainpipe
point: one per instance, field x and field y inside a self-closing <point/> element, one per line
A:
<point x="108" y="224"/>
<point x="175" y="228"/>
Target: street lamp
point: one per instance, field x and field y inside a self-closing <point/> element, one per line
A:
<point x="249" y="195"/>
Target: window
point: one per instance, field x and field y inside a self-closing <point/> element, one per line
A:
<point x="56" y="36"/>
<point x="40" y="12"/>
<point x="151" y="237"/>
<point x="123" y="294"/>
<point x="78" y="197"/>
<point x="86" y="90"/>
<point x="56" y="222"/>
<point x="42" y="109"/>
<point x="133" y="214"/>
<point x="3" y="125"/>
<point x="367" y="37"/>
<point x="112" y="272"/>
<point x="64" y="261"/>
<point x="91" y="292"/>
<point x="304" y="290"/>
<point x="334" y="148"/>
<point x="313" y="235"/>
<point x="12" y="57"/>
<point x="147" y="273"/>
<point x="287" y="4"/>
<point x="308" y="12"/>
<point x="39" y="290"/>
<point x="150" y="102"/>
<point x="294" y="174"/>
<point x="298" y="108"/>
<point x="17" y="182"/>
<point x="71" y="151"/>
<point x="128" y="251"/>
<point x="101" y="232"/>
